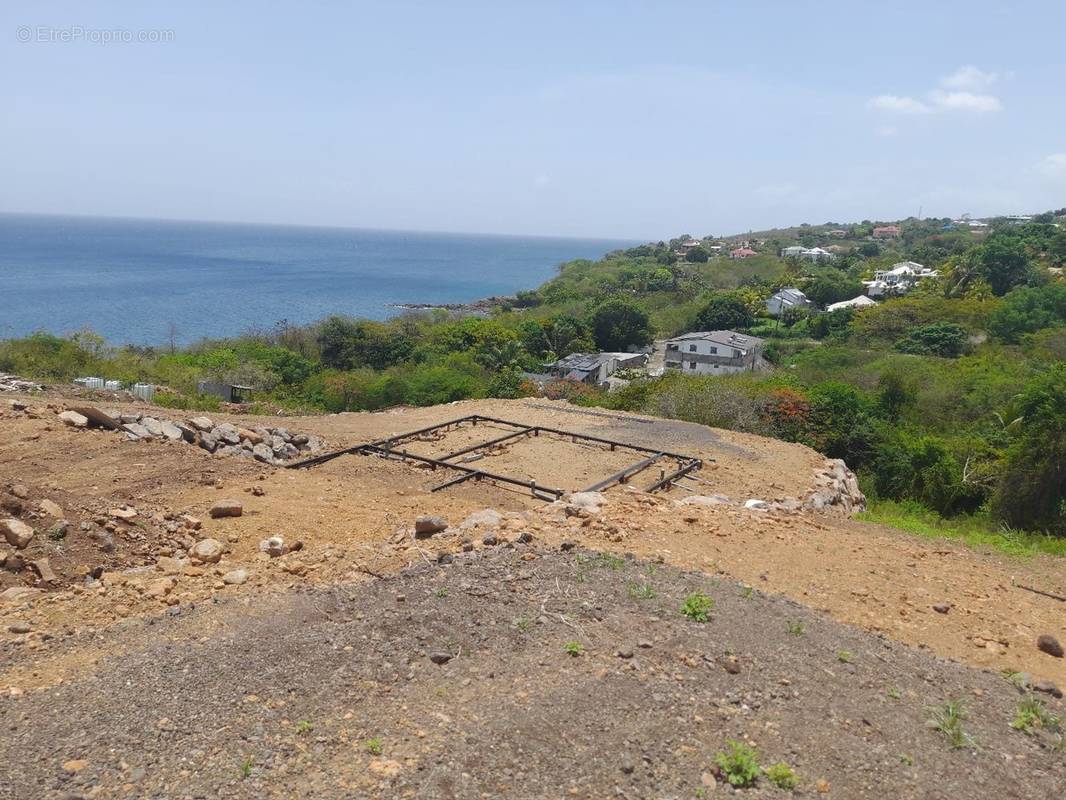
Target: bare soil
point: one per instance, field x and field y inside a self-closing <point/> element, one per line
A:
<point x="147" y="639"/>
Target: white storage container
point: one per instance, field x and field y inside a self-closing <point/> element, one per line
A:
<point x="145" y="391"/>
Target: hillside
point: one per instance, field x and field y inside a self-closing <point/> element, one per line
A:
<point x="363" y="659"/>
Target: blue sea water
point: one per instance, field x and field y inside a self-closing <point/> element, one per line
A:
<point x="130" y="279"/>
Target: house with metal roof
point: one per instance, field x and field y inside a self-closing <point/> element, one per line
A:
<point x="594" y="368"/>
<point x="790" y="297"/>
<point x="713" y="352"/>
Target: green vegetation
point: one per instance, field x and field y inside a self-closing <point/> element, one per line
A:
<point x="949" y="402"/>
<point x="845" y="656"/>
<point x="573" y="649"/>
<point x="948" y="720"/>
<point x="739" y="764"/>
<point x="782" y="776"/>
<point x="374" y="746"/>
<point x="797" y="628"/>
<point x="304" y="727"/>
<point x="245" y="769"/>
<point x="640" y="591"/>
<point x="697" y="607"/>
<point x="1032" y="715"/>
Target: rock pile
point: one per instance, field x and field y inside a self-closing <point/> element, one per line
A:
<point x="13" y="383"/>
<point x="269" y="445"/>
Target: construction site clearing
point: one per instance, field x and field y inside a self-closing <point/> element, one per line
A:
<point x="114" y="545"/>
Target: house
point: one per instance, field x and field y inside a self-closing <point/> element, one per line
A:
<point x="742" y="252"/>
<point x="795" y="251"/>
<point x="713" y="352"/>
<point x="595" y="368"/>
<point x="887" y="232"/>
<point x="229" y="392"/>
<point x="817" y="254"/>
<point x="862" y="301"/>
<point x="838" y="234"/>
<point x="790" y="297"/>
<point x="899" y="279"/>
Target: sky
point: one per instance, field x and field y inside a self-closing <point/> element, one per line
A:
<point x="632" y="120"/>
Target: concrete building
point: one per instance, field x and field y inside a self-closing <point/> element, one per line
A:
<point x="787" y="298"/>
<point x="595" y="368"/>
<point x="713" y="353"/>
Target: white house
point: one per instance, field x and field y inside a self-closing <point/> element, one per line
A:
<point x="815" y="254"/>
<point x="900" y="279"/>
<point x="862" y="301"/>
<point x="790" y="297"/>
<point x="713" y="352"/>
<point x="795" y="251"/>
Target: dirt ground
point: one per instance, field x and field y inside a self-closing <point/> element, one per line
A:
<point x="119" y="583"/>
<point x="515" y="673"/>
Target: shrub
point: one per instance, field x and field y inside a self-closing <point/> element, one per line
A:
<point x="739" y="764"/>
<point x="697" y="607"/>
<point x="782" y="776"/>
<point x="946" y="339"/>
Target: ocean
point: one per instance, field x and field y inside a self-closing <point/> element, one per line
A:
<point x="131" y="280"/>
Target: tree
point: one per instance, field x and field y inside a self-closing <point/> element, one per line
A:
<point x="946" y="339"/>
<point x="697" y="255"/>
<point x="832" y="287"/>
<point x="618" y="323"/>
<point x="1032" y="488"/>
<point x="1001" y="260"/>
<point x="1027" y="310"/>
<point x="724" y="312"/>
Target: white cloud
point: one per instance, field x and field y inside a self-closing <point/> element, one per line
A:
<point x="959" y="92"/>
<point x="898" y="105"/>
<point x="969" y="78"/>
<point x="1054" y="165"/>
<point x="966" y="101"/>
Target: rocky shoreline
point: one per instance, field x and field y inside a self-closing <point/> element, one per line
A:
<point x="483" y="306"/>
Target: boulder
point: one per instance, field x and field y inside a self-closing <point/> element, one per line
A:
<point x="1045" y="642"/>
<point x="171" y="431"/>
<point x="154" y="426"/>
<point x="227" y="508"/>
<point x="287" y="451"/>
<point x="137" y="430"/>
<point x="17" y="594"/>
<point x="757" y="505"/>
<point x="486" y="518"/>
<point x="235" y="577"/>
<point x="208" y="441"/>
<point x="426" y="526"/>
<point x="227" y="433"/>
<point x="273" y="547"/>
<point x="263" y="453"/>
<point x="188" y="432"/>
<point x="202" y="423"/>
<point x="125" y="513"/>
<point x="51" y="509"/>
<point x="207" y="551"/>
<point x="17" y="533"/>
<point x="74" y="419"/>
<point x="44" y="571"/>
<point x="249" y="436"/>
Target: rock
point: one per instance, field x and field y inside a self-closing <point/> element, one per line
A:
<point x="235" y="577"/>
<point x="709" y="782"/>
<point x="21" y="491"/>
<point x="44" y="571"/>
<point x="227" y="433"/>
<point x="152" y="425"/>
<point x="731" y="665"/>
<point x="75" y="765"/>
<point x="189" y="521"/>
<point x="1047" y="687"/>
<point x="125" y="513"/>
<point x="250" y="436"/>
<point x="273" y="547"/>
<point x="12" y="505"/>
<point x="208" y="551"/>
<point x="757" y="505"/>
<point x="258" y="491"/>
<point x="525" y="537"/>
<point x="202" y="423"/>
<point x="704" y="500"/>
<point x="51" y="509"/>
<point x="137" y="430"/>
<point x="74" y="419"/>
<point x="170" y="566"/>
<point x="19" y="627"/>
<point x="486" y="518"/>
<point x="440" y="657"/>
<point x="227" y="508"/>
<point x="171" y="431"/>
<point x="129" y="419"/>
<point x="588" y="501"/>
<point x="188" y="432"/>
<point x="263" y="453"/>
<point x="17" y="533"/>
<point x="384" y="768"/>
<point x="159" y="588"/>
<point x="489" y="540"/>
<point x="624" y="652"/>
<point x="566" y="546"/>
<point x="942" y="608"/>
<point x="426" y="526"/>
<point x="208" y="441"/>
<point x="1048" y="644"/>
<point x="17" y="594"/>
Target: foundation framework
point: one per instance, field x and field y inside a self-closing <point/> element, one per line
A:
<point x="394" y="448"/>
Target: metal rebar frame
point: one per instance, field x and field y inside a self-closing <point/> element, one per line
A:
<point x="390" y="448"/>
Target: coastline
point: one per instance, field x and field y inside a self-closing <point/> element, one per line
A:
<point x="483" y="306"/>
